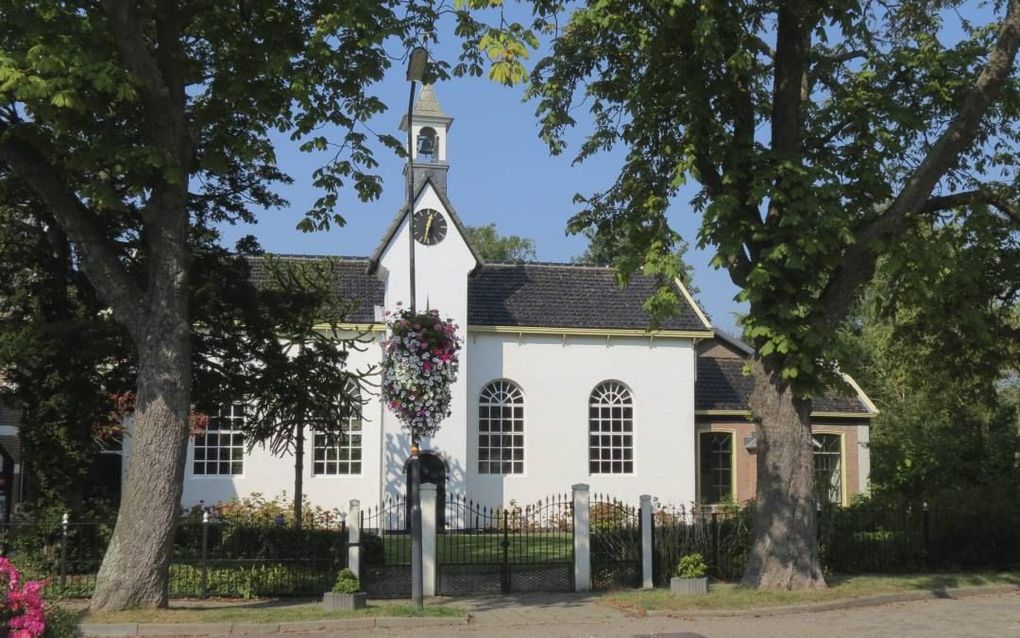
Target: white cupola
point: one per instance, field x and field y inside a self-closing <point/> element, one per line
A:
<point x="429" y="128"/>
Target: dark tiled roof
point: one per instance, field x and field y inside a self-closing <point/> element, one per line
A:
<point x="564" y="296"/>
<point x="353" y="282"/>
<point x="13" y="446"/>
<point x="9" y="416"/>
<point x="722" y="385"/>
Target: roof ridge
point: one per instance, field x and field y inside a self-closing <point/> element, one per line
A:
<point x="559" y="264"/>
<point x="310" y="256"/>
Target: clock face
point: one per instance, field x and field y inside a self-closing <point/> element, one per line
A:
<point x="429" y="227"/>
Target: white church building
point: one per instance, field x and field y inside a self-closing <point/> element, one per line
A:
<point x="561" y="382"/>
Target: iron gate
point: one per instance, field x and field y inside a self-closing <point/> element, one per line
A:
<point x="615" y="544"/>
<point x="386" y="550"/>
<point x="505" y="550"/>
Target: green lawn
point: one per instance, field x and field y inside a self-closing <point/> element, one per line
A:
<point x="487" y="548"/>
<point x="263" y="612"/>
<point x="730" y="596"/>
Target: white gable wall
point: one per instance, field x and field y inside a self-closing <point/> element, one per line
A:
<point x="557" y="376"/>
<point x="441" y="273"/>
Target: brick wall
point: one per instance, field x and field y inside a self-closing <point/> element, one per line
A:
<point x="746" y="463"/>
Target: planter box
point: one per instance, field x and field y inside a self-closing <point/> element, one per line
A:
<point x="688" y="586"/>
<point x="332" y="601"/>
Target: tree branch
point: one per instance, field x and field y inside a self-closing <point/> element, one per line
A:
<point x="969" y="198"/>
<point x="163" y="109"/>
<point x="858" y="264"/>
<point x="81" y="225"/>
<point x="792" y="51"/>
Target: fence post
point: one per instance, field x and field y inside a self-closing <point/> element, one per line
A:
<point x="64" y="522"/>
<point x="582" y="538"/>
<point x="205" y="555"/>
<point x="429" y="502"/>
<point x="504" y="570"/>
<point x="926" y="531"/>
<point x="647" y="579"/>
<point x="715" y="541"/>
<point x="354" y="537"/>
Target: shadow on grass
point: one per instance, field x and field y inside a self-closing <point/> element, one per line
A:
<point x="234" y="603"/>
<point x="520" y="602"/>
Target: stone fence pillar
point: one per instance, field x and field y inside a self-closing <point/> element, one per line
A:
<point x="647" y="577"/>
<point x="354" y="537"/>
<point x="582" y="538"/>
<point x="429" y="502"/>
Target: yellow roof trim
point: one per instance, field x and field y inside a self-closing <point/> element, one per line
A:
<point x="825" y="415"/>
<point x="845" y="415"/>
<point x="593" y="332"/>
<point x="746" y="413"/>
<point x="690" y="300"/>
<point x="865" y="399"/>
<point x="354" y="327"/>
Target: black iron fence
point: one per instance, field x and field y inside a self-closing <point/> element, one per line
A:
<point x="519" y="548"/>
<point x="215" y="558"/>
<point x="386" y="550"/>
<point x="615" y="543"/>
<point x="865" y="538"/>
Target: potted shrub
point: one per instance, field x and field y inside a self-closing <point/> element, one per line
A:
<point x="346" y="593"/>
<point x="690" y="577"/>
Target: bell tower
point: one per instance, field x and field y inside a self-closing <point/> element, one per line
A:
<point x="429" y="127"/>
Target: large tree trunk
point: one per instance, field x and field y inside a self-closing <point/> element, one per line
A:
<point x="784" y="553"/>
<point x="135" y="570"/>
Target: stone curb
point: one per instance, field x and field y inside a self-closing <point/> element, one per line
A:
<point x="835" y="605"/>
<point x="239" y="629"/>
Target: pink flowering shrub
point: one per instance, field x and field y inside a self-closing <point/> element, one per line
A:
<point x="419" y="366"/>
<point x="23" y="606"/>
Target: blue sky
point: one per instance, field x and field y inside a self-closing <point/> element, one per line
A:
<point x="500" y="172"/>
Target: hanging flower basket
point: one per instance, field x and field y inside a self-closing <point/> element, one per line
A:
<point x="419" y="366"/>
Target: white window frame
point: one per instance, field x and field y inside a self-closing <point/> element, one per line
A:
<point x="350" y="443"/>
<point x="507" y="397"/>
<point x="606" y="397"/>
<point x="235" y="445"/>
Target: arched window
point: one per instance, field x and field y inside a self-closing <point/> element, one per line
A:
<point x="611" y="429"/>
<point x="338" y="455"/>
<point x="501" y="429"/>
<point x="428" y="145"/>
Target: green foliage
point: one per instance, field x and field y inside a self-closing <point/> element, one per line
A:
<point x="61" y="622"/>
<point x="347" y="583"/>
<point x="691" y="566"/>
<point x="492" y="246"/>
<point x="256" y="509"/>
<point x="935" y="342"/>
<point x="798" y="191"/>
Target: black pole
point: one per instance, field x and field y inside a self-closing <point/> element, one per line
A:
<point x="417" y="579"/>
<point x="205" y="554"/>
<point x="63" y="552"/>
<point x="410" y="193"/>
<point x="926" y="531"/>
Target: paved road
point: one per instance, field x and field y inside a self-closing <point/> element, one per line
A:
<point x="985" y="616"/>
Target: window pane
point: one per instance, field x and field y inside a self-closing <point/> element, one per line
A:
<point x="610" y="415"/>
<point x="500" y="428"/>
<point x="716" y="467"/>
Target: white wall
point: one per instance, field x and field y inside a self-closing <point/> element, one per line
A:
<point x="557" y="376"/>
<point x="271" y="475"/>
<point x="864" y="458"/>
